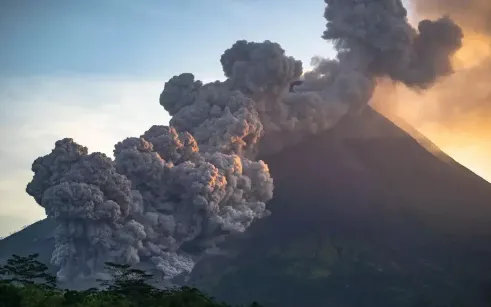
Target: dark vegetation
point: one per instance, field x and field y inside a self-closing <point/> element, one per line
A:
<point x="25" y="282"/>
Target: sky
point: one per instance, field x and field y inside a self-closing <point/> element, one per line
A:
<point x="93" y="70"/>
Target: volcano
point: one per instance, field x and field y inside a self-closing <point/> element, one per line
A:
<point x="363" y="215"/>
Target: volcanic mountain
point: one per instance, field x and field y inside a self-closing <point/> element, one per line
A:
<point x="362" y="215"/>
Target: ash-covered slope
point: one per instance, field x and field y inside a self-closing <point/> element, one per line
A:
<point x="364" y="215"/>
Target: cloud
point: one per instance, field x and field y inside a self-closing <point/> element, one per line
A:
<point x="96" y="111"/>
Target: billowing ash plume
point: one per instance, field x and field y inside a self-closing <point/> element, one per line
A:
<point x="188" y="195"/>
<point x="174" y="192"/>
<point x="93" y="204"/>
<point x="159" y="193"/>
<point x="377" y="38"/>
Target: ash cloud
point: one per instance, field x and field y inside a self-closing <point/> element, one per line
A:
<point x="196" y="181"/>
<point x="377" y="37"/>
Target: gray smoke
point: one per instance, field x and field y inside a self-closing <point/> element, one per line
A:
<point x="159" y="193"/>
<point x="175" y="192"/>
<point x="190" y="196"/>
<point x="376" y="37"/>
<point x="93" y="204"/>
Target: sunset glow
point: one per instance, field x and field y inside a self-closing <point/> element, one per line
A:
<point x="476" y="49"/>
<point x="471" y="147"/>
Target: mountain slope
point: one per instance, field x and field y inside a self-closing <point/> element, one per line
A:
<point x="363" y="215"/>
<point x="36" y="238"/>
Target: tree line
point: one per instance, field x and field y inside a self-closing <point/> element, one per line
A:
<point x="26" y="282"/>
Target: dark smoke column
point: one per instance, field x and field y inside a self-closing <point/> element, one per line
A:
<point x="189" y="196"/>
<point x="92" y="204"/>
<point x="376" y="35"/>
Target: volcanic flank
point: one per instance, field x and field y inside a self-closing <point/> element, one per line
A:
<point x="367" y="217"/>
<point x="172" y="195"/>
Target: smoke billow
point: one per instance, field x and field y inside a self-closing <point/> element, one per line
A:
<point x="455" y="113"/>
<point x="196" y="181"/>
